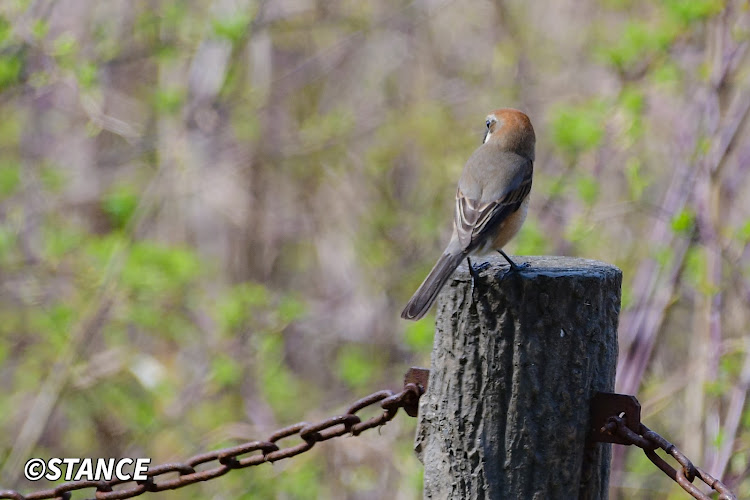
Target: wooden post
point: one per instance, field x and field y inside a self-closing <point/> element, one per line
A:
<point x="514" y="365"/>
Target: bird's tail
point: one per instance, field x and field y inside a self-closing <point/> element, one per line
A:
<point x="428" y="291"/>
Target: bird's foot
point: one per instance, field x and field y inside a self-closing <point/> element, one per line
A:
<point x="514" y="268"/>
<point x="475" y="270"/>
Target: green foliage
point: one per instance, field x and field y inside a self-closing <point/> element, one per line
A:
<point x="364" y="479"/>
<point x="531" y="240"/>
<point x="60" y="239"/>
<point x="579" y="230"/>
<point x="719" y="439"/>
<point x="65" y="49"/>
<point x="166" y="52"/>
<point x="238" y="304"/>
<point x="642" y="41"/>
<point x="695" y="268"/>
<point x="10" y="177"/>
<point x="8" y="244"/>
<point x="632" y="102"/>
<point x="715" y="388"/>
<point x="730" y="365"/>
<point x="154" y="268"/>
<point x="169" y="101"/>
<point x="588" y="189"/>
<point x="577" y="129"/>
<point x="689" y="11"/>
<point x="225" y="371"/>
<point x="357" y="366"/>
<point x="743" y="232"/>
<point x="637" y="180"/>
<point x="86" y="74"/>
<point x="418" y="335"/>
<point x="683" y="221"/>
<point x="55" y="322"/>
<point x="40" y="29"/>
<point x="6" y="29"/>
<point x="303" y="481"/>
<point x="279" y="386"/>
<point x="185" y="23"/>
<point x="98" y="252"/>
<point x="664" y="256"/>
<point x="621" y="5"/>
<point x="639" y="42"/>
<point x="290" y="309"/>
<point x="10" y="69"/>
<point x="120" y="205"/>
<point x="233" y="28"/>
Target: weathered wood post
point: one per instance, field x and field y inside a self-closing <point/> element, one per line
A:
<point x="514" y="365"/>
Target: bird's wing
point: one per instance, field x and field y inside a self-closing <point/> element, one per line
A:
<point x="475" y="220"/>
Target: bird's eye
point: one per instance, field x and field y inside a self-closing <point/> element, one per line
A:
<point x="488" y="122"/>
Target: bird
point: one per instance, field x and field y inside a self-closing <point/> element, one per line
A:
<point x="491" y="202"/>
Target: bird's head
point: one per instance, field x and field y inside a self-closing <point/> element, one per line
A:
<point x="511" y="130"/>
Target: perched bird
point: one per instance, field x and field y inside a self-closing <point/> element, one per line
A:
<point x="491" y="202"/>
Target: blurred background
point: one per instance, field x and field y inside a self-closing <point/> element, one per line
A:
<point x="213" y="211"/>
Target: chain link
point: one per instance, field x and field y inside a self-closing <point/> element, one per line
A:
<point x="231" y="458"/>
<point x="649" y="441"/>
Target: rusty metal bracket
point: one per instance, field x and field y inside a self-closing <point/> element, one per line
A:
<point x="420" y="378"/>
<point x="616" y="418"/>
<point x="609" y="404"/>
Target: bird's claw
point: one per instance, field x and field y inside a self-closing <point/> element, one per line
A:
<point x="520" y="267"/>
<point x="514" y="269"/>
<point x="474" y="270"/>
<point x="481" y="267"/>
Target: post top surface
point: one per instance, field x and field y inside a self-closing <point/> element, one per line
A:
<point x="544" y="265"/>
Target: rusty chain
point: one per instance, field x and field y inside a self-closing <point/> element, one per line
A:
<point x="616" y="419"/>
<point x="231" y="458"/>
<point x="649" y="441"/>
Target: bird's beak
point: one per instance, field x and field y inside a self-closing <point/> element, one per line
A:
<point x="486" y="136"/>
